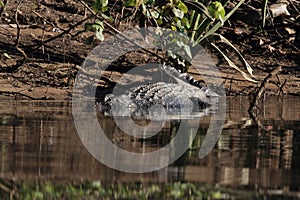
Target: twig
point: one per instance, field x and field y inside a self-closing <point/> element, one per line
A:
<point x="293" y="5"/>
<point x="25" y="95"/>
<point x="261" y="89"/>
<point x="18" y="31"/>
<point x="21" y="61"/>
<point x="4" y="188"/>
<point x="61" y="34"/>
<point x="280" y="89"/>
<point x="17" y="23"/>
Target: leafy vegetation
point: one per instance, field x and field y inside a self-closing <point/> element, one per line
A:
<point x="40" y="190"/>
<point x="97" y="28"/>
<point x="198" y="20"/>
<point x="2" y="4"/>
<point x="277" y="43"/>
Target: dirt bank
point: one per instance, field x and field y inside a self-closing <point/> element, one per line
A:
<point x="42" y="51"/>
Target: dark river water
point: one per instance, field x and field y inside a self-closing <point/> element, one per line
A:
<point x="38" y="140"/>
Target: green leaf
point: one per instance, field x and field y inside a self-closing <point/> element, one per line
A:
<point x="216" y="195"/>
<point x="49" y="188"/>
<point x="144" y="9"/>
<point x="2" y="4"/>
<point x="219" y="24"/>
<point x="100" y="5"/>
<point x="129" y="3"/>
<point x="104" y="2"/>
<point x="105" y="16"/>
<point x="154" y="14"/>
<point x="159" y="22"/>
<point x="216" y="10"/>
<point x="38" y="195"/>
<point x="99" y="35"/>
<point x="96" y="184"/>
<point x="186" y="23"/>
<point x="178" y="13"/>
<point x="100" y="24"/>
<point x="186" y="48"/>
<point x="4" y="120"/>
<point x="174" y="28"/>
<point x="178" y="24"/>
<point x="96" y="27"/>
<point x="182" y="7"/>
<point x="171" y="54"/>
<point x="71" y="190"/>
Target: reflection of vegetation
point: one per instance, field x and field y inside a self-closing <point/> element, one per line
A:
<point x="96" y="190"/>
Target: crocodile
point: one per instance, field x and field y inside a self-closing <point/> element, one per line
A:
<point x="183" y="95"/>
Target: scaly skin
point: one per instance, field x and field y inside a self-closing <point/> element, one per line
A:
<point x="175" y="97"/>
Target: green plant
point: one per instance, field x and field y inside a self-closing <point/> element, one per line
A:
<point x="198" y="20"/>
<point x="100" y="5"/>
<point x="2" y="4"/>
<point x="47" y="189"/>
<point x="97" y="27"/>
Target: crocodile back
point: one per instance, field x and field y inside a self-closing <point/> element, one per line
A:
<point x="171" y="95"/>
